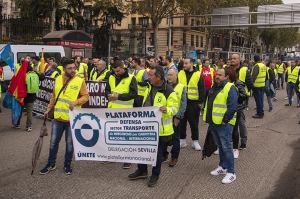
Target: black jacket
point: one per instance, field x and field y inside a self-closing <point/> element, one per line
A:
<point x="242" y="95"/>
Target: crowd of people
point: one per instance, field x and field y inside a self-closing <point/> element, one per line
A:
<point x="184" y="90"/>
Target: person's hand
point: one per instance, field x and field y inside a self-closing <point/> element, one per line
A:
<point x="46" y="114"/>
<point x="71" y="106"/>
<point x="163" y="109"/>
<point x="113" y="97"/>
<point x="176" y="121"/>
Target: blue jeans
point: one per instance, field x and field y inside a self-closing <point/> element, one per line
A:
<point x="258" y="94"/>
<point x="290" y="88"/>
<point x="176" y="143"/>
<point x="223" y="137"/>
<point x="162" y="148"/>
<point x="58" y="128"/>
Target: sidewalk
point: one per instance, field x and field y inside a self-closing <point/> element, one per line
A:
<point x="264" y="169"/>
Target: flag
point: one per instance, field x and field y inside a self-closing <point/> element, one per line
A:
<point x="18" y="83"/>
<point x="7" y="56"/>
<point x="42" y="66"/>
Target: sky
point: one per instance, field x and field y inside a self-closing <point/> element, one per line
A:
<point x="291" y="1"/>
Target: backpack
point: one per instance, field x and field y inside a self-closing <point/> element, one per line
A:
<point x="32" y="82"/>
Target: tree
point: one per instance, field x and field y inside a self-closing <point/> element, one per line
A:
<point x="157" y="10"/>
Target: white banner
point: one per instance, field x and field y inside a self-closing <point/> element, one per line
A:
<point x="116" y="135"/>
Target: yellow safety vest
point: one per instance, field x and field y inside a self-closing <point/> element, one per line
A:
<point x="280" y="68"/>
<point x="122" y="88"/>
<point x="81" y="70"/>
<point x="139" y="78"/>
<point x="109" y="67"/>
<point x="261" y="77"/>
<point x="70" y="94"/>
<point x="61" y="69"/>
<point x="192" y="85"/>
<point x="54" y="74"/>
<point x="225" y="65"/>
<point x="220" y="106"/>
<point x="166" y="128"/>
<point x="242" y="78"/>
<point x="293" y="75"/>
<point x="94" y="75"/>
<point x="179" y="91"/>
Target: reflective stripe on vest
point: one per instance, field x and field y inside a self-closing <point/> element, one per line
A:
<point x="192" y="85"/>
<point x="293" y="75"/>
<point x="220" y="106"/>
<point x="261" y="77"/>
<point x="70" y="94"/>
<point x="171" y="103"/>
<point x="122" y="88"/>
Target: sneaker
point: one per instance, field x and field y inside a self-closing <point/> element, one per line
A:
<point x="47" y="169"/>
<point x="183" y="143"/>
<point x="217" y="152"/>
<point x="29" y="129"/>
<point x="286" y="98"/>
<point x="243" y="147"/>
<point x="236" y="153"/>
<point x="173" y="162"/>
<point x="138" y="174"/>
<point x="218" y="171"/>
<point x="152" y="181"/>
<point x="270" y="109"/>
<point x="68" y="169"/>
<point x="126" y="165"/>
<point x="16" y="126"/>
<point x="229" y="178"/>
<point x="196" y="145"/>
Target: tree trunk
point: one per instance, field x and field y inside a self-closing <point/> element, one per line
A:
<point x="53" y="16"/>
<point x="155" y="39"/>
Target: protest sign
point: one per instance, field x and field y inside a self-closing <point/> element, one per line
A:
<point x="116" y="135"/>
<point x="43" y="96"/>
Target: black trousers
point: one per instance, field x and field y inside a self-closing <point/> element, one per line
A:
<point x="191" y="115"/>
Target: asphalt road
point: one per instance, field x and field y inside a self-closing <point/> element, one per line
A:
<point x="269" y="168"/>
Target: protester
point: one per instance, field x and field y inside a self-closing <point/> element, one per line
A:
<point x="192" y="80"/>
<point x="159" y="94"/>
<point x="291" y="77"/>
<point x="69" y="91"/>
<point x="180" y="91"/>
<point x="32" y="87"/>
<point x="99" y="73"/>
<point x="259" y="73"/>
<point x="121" y="90"/>
<point x="142" y="80"/>
<point x="220" y="114"/>
<point x="270" y="91"/>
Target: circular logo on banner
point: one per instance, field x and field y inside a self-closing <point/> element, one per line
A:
<point x="87" y="132"/>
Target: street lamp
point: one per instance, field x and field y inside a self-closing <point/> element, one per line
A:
<point x="109" y="23"/>
<point x="144" y="27"/>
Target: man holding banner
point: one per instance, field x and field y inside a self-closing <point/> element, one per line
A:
<point x="159" y="94"/>
<point x="69" y="91"/>
<point x="121" y="90"/>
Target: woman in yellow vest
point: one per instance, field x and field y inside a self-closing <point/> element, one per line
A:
<point x="159" y="94"/>
<point x="69" y="91"/>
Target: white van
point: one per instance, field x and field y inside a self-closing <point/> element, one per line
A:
<point x="20" y="51"/>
